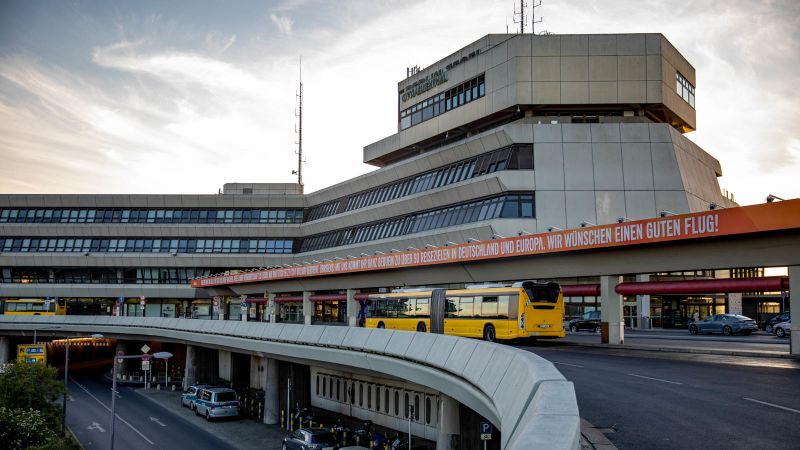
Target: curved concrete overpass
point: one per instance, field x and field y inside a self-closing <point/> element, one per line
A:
<point x="521" y="393"/>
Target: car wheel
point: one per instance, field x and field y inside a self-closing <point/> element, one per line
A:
<point x="421" y="327"/>
<point x="769" y="329"/>
<point x="780" y="332"/>
<point x="573" y="328"/>
<point x="381" y="325"/>
<point x="727" y="331"/>
<point x="489" y="334"/>
<point x="283" y="446"/>
<point x="693" y="330"/>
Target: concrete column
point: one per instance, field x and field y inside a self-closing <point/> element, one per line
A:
<point x="643" y="305"/>
<point x="190" y="372"/>
<point x="794" y="306"/>
<point x="449" y="424"/>
<point x="224" y="357"/>
<point x="122" y="349"/>
<point x="308" y="308"/>
<point x="611" y="311"/>
<point x="5" y="349"/>
<point x="272" y="407"/>
<point x="258" y="371"/>
<point x="353" y="307"/>
<point x="220" y="308"/>
<point x="273" y="308"/>
<point x="244" y="312"/>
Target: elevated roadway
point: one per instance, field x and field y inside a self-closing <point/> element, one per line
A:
<point x="521" y="393"/>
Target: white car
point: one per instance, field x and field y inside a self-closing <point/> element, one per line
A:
<point x="782" y="329"/>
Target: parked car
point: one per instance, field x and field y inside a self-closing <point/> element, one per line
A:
<point x="590" y="320"/>
<point x="727" y="324"/>
<point x="310" y="439"/>
<point x="783" y="329"/>
<point x="215" y="402"/>
<point x="190" y="395"/>
<point x="768" y="324"/>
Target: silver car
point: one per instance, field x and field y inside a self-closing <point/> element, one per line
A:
<point x="190" y="395"/>
<point x="216" y="402"/>
<point x="727" y="324"/>
<point x="782" y="329"/>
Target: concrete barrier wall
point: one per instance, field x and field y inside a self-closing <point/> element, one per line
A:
<point x="519" y="392"/>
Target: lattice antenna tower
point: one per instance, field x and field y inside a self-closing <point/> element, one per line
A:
<point x="298" y="128"/>
<point x="521" y="14"/>
<point x="534" y="21"/>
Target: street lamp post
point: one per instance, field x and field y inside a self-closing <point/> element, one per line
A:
<point x="117" y="359"/>
<point x="66" y="382"/>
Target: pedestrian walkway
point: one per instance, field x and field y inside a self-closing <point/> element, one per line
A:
<point x="244" y="434"/>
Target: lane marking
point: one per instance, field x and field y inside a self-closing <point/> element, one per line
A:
<point x="566" y="364"/>
<point x="115" y="414"/>
<point x="654" y="379"/>
<point x="772" y="405"/>
<point x="96" y="426"/>
<point x="154" y="419"/>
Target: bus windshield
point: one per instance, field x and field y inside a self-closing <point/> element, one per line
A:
<point x="542" y="293"/>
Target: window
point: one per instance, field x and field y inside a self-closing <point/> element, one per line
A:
<point x="684" y="88"/>
<point x="378" y="398"/>
<point x="386" y="401"/>
<point x="396" y="403"/>
<point x="369" y="396"/>
<point x="323" y="387"/>
<point x="405" y="405"/>
<point x="427" y="410"/>
<point x="416" y="407"/>
<point x="442" y="102"/>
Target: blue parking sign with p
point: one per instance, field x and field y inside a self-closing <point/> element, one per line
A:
<point x="486" y="431"/>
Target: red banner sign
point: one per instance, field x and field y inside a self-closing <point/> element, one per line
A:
<point x="722" y="222"/>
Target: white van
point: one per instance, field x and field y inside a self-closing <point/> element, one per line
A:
<point x="216" y="402"/>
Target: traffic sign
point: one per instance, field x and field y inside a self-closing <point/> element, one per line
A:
<point x="145" y="364"/>
<point x="486" y="431"/>
<point x="145" y="348"/>
<point x="32" y="353"/>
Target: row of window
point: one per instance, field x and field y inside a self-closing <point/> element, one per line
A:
<point x="62" y="215"/>
<point x="480" y="307"/>
<point x="66" y="245"/>
<point x="445" y="101"/>
<point x="685" y="89"/>
<point x="506" y="206"/>
<point x="104" y="275"/>
<point x="387" y="399"/>
<point x="512" y="157"/>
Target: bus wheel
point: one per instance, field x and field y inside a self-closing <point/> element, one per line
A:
<point x="381" y="325"/>
<point x="421" y="327"/>
<point x="489" y="334"/>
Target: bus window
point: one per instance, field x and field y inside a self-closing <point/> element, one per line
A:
<point x="466" y="307"/>
<point x="489" y="307"/>
<point x="450" y="308"/>
<point x="423" y="308"/>
<point x="541" y="292"/>
<point x="502" y="306"/>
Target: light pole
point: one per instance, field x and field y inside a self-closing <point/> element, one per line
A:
<point x="117" y="359"/>
<point x="43" y="328"/>
<point x="66" y="382"/>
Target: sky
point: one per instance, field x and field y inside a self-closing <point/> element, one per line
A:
<point x="184" y="96"/>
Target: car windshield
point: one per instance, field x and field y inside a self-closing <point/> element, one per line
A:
<point x="323" y="438"/>
<point x="226" y="396"/>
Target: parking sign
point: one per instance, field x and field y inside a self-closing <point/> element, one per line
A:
<point x="486" y="431"/>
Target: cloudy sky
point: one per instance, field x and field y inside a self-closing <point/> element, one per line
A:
<point x="181" y="97"/>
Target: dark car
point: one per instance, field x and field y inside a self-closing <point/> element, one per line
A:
<point x="727" y="324"/>
<point x="590" y="320"/>
<point x="310" y="439"/>
<point x="776" y="319"/>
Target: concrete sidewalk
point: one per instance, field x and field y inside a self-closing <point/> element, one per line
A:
<point x="245" y="434"/>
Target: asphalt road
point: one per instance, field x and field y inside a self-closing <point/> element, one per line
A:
<point x="663" y="401"/>
<point x="141" y="424"/>
<point x="758" y="342"/>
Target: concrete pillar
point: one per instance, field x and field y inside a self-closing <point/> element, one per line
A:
<point x="794" y="306"/>
<point x="612" y="323"/>
<point x="219" y="306"/>
<point x="272" y="407"/>
<point x="449" y="424"/>
<point x="224" y="358"/>
<point x="643" y="305"/>
<point x="5" y="349"/>
<point x="257" y="371"/>
<point x="272" y="308"/>
<point x="308" y="308"/>
<point x="190" y="371"/>
<point x="122" y="349"/>
<point x="353" y="307"/>
<point x="244" y="311"/>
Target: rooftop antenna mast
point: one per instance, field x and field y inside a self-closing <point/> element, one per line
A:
<point x="534" y="21"/>
<point x="521" y="14"/>
<point x="299" y="130"/>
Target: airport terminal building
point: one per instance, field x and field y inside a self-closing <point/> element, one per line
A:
<point x="512" y="134"/>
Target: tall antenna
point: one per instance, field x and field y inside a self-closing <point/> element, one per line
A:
<point x="534" y="21"/>
<point x="299" y="130"/>
<point x="521" y="14"/>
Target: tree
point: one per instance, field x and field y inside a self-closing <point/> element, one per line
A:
<point x="24" y="428"/>
<point x="31" y="386"/>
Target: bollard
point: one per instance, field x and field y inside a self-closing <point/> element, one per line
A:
<point x="283" y="424"/>
<point x="173" y="388"/>
<point x="358" y="438"/>
<point x="158" y="386"/>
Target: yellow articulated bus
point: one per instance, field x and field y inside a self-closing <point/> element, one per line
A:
<point x="35" y="307"/>
<point x="492" y="312"/>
